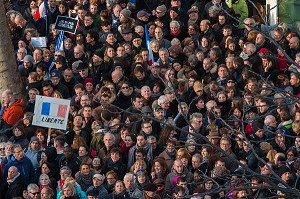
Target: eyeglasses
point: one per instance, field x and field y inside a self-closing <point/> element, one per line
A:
<point x="2" y="149"/>
<point x="35" y="193"/>
<point x="125" y="87"/>
<point x="158" y="12"/>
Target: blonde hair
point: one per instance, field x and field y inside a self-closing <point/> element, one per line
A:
<point x="138" y="162"/>
<point x="70" y="186"/>
<point x="271" y="155"/>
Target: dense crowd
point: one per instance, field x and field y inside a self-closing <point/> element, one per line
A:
<point x="210" y="109"/>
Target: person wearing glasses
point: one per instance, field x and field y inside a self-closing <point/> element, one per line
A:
<point x="33" y="191"/>
<point x="22" y="163"/>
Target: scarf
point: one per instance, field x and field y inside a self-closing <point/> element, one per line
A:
<point x="87" y="179"/>
<point x="172" y="155"/>
<point x="175" y="35"/>
<point x="13" y="179"/>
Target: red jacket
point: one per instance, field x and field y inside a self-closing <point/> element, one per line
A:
<point x="13" y="113"/>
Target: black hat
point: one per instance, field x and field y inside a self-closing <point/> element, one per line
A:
<point x="81" y="66"/>
<point x="283" y="170"/>
<point x="252" y="109"/>
<point x="99" y="53"/>
<point x="92" y="192"/>
<point x="60" y="59"/>
<point x="150" y="187"/>
<point x="135" y="36"/>
<point x="175" y="9"/>
<point x="55" y="73"/>
<point x="126" y="31"/>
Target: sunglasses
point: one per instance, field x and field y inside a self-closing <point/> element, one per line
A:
<point x="35" y="193"/>
<point x="2" y="149"/>
<point x="125" y="87"/>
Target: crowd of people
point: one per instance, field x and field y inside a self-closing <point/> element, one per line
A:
<point x="206" y="107"/>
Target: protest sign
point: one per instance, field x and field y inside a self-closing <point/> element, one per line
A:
<point x="38" y="42"/>
<point x="51" y="112"/>
<point x="67" y="24"/>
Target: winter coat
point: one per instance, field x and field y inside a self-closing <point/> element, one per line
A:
<point x="102" y="191"/>
<point x="35" y="157"/>
<point x="21" y="140"/>
<point x="81" y="194"/>
<point x="25" y="168"/>
<point x="169" y="161"/>
<point x="131" y="156"/>
<point x="13" y="113"/>
<point x="114" y="195"/>
<point x="15" y="189"/>
<point x="117" y="167"/>
<point x="84" y="184"/>
<point x="169" y="180"/>
<point x="73" y="163"/>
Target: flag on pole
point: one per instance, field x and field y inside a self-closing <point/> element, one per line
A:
<point x="150" y="57"/>
<point x="60" y="42"/>
<point x="42" y="11"/>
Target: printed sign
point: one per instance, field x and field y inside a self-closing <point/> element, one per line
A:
<point x="67" y="24"/>
<point x="51" y="112"/>
<point x="38" y="42"/>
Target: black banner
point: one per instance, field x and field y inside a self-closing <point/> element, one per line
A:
<point x="66" y="24"/>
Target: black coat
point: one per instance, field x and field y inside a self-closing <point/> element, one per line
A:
<point x="16" y="188"/>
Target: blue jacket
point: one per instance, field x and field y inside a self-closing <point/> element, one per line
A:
<point x="25" y="168"/>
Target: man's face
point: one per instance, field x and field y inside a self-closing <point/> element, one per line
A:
<point x="120" y="51"/>
<point x="87" y="112"/>
<point x="165" y="105"/>
<point x="81" y="14"/>
<point x="137" y="42"/>
<point x="37" y="55"/>
<point x="48" y="90"/>
<point x="147" y="128"/>
<point x="128" y="183"/>
<point x="34" y="145"/>
<point x="203" y="26"/>
<point x="140" y="141"/>
<point x="146" y="93"/>
<point x="294" y="80"/>
<point x="6" y="99"/>
<point x="159" y="114"/>
<point x="227" y="32"/>
<point x="196" y="162"/>
<point x="12" y="172"/>
<point x="110" y="38"/>
<point x="115" y="157"/>
<point x="163" y="55"/>
<point x="108" y="141"/>
<point x="127" y="37"/>
<point x="77" y="53"/>
<point x="55" y="80"/>
<point x="138" y="103"/>
<point x="297" y="143"/>
<point x="225" y="145"/>
<point x="158" y="33"/>
<point x="67" y="152"/>
<point x="178" y="166"/>
<point x="174" y="28"/>
<point x="260" y="39"/>
<point x="263" y="107"/>
<point x="34" y="193"/>
<point x="68" y="75"/>
<point x="117" y="10"/>
<point x="222" y="72"/>
<point x="83" y="72"/>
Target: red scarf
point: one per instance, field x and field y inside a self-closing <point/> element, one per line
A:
<point x="175" y="35"/>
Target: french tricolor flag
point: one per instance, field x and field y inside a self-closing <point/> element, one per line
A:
<point x="53" y="110"/>
<point x="42" y="11"/>
<point x="150" y="57"/>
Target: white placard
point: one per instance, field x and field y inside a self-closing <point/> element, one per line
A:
<point x="38" y="42"/>
<point x="51" y="112"/>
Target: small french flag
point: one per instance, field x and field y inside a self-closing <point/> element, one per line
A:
<point x="42" y="11"/>
<point x="150" y="57"/>
<point x="53" y="110"/>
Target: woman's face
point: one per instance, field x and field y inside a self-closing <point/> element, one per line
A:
<point x="41" y="137"/>
<point x="200" y="104"/>
<point x="128" y="141"/>
<point x="184" y="161"/>
<point x="208" y="185"/>
<point x="170" y="148"/>
<point x="237" y="113"/>
<point x="17" y="132"/>
<point x="111" y="179"/>
<point x="45" y="169"/>
<point x="61" y="9"/>
<point x="68" y="45"/>
<point x="123" y="134"/>
<point x="155" y="48"/>
<point x="119" y="187"/>
<point x="125" y="88"/>
<point x="85" y="170"/>
<point x="141" y="178"/>
<point x="96" y="163"/>
<point x="177" y="66"/>
<point x="204" y="153"/>
<point x="191" y="147"/>
<point x="138" y="166"/>
<point x="89" y="87"/>
<point x="110" y="52"/>
<point x="221" y="98"/>
<point x="46" y="57"/>
<point x="67" y="192"/>
<point x="204" y="42"/>
<point x="44" y="181"/>
<point x="157" y="167"/>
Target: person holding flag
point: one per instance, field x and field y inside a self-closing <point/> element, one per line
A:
<point x="150" y="57"/>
